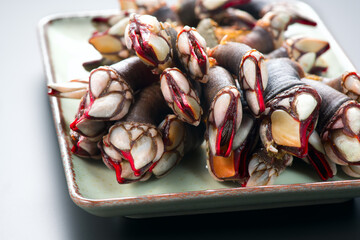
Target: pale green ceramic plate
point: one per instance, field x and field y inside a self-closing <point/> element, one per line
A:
<point x="189" y="188"/>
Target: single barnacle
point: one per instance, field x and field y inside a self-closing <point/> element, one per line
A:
<point x="221" y="99"/>
<point x="304" y="50"/>
<point x="150" y="40"/>
<point x="75" y="89"/>
<point x="179" y="138"/>
<point x="338" y="125"/>
<point x="350" y="82"/>
<point x="292" y="109"/>
<point x="84" y="146"/>
<point x="317" y="158"/>
<point x="110" y="43"/>
<point x="351" y="170"/>
<point x="135" y="138"/>
<point x="235" y="166"/>
<point x="259" y="8"/>
<point x="264" y="167"/>
<point x="111" y="88"/>
<point x="191" y="47"/>
<point x="248" y="65"/>
<point x="268" y="34"/>
<point x="181" y="96"/>
<point x="172" y="130"/>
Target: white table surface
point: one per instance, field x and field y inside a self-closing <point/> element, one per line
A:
<point x="34" y="201"/>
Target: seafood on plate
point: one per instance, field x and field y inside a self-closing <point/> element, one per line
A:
<point x="292" y="109"/>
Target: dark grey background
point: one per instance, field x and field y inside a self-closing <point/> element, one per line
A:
<point x="34" y="201"/>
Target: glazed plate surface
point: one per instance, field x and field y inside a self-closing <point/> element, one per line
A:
<point x="189" y="189"/>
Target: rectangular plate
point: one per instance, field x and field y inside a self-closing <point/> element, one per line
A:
<point x="189" y="188"/>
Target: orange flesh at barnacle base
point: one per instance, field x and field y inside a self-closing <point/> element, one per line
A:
<point x="224" y="167"/>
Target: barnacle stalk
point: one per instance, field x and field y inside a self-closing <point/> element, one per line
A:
<point x="248" y="65"/>
<point x="292" y="109"/>
<point x="181" y="96"/>
<point x="222" y="101"/>
<point x="150" y="40"/>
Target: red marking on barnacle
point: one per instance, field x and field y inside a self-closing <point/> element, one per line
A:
<point x="127" y="155"/>
<point x="230" y="116"/>
<point x="53" y="92"/>
<point x="138" y="33"/>
<point x="153" y="166"/>
<point x="306" y="128"/>
<point x="196" y="50"/>
<point x="317" y="69"/>
<point x="117" y="167"/>
<point x="229" y="4"/>
<point x="74" y="148"/>
<point x="98" y="34"/>
<point x="304" y="22"/>
<point x="259" y="94"/>
<point x="352" y="74"/>
<point x="73" y="125"/>
<point x="318" y="161"/>
<point x="323" y="50"/>
<point x="100" y="20"/>
<point x="241" y="159"/>
<point x="179" y="97"/>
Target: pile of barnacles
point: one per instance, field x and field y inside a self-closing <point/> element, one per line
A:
<point x="172" y="76"/>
